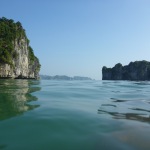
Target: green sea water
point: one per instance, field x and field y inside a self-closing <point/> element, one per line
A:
<point x="74" y="115"/>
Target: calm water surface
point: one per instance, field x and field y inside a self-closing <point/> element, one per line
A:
<point x="74" y="115"/>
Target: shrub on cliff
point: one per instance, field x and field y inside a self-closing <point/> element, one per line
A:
<point x="9" y="32"/>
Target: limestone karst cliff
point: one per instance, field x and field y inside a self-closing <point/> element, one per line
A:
<point x="138" y="70"/>
<point x="17" y="59"/>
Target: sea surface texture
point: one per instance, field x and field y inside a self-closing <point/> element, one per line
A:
<point x="74" y="115"/>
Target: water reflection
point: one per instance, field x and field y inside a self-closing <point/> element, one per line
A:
<point x="130" y="109"/>
<point x="14" y="97"/>
<point x="139" y="109"/>
<point x="126" y="100"/>
<point x="118" y="100"/>
<point x="129" y="116"/>
<point x="3" y="146"/>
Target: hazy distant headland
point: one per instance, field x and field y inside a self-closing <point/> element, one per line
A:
<point x="63" y="77"/>
<point x="138" y="70"/>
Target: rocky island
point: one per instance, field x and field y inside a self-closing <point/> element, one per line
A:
<point x="17" y="59"/>
<point x="138" y="70"/>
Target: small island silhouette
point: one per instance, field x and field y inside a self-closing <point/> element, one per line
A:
<point x="63" y="77"/>
<point x="138" y="70"/>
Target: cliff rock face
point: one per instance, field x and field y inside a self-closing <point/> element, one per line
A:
<point x="17" y="59"/>
<point x="138" y="70"/>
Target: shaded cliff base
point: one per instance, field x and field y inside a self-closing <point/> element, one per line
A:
<point x="138" y="70"/>
<point x="20" y="78"/>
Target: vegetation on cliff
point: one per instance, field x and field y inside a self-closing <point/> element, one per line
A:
<point x="11" y="31"/>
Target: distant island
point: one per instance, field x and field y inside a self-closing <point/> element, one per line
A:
<point x="63" y="77"/>
<point x="17" y="59"/>
<point x="138" y="70"/>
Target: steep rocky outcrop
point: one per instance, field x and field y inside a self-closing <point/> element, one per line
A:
<point x="138" y="70"/>
<point x="17" y="59"/>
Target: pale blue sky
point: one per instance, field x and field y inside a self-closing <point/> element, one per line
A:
<point x="79" y="37"/>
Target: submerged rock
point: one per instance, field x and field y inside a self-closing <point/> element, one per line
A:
<point x="138" y="70"/>
<point x="17" y="59"/>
